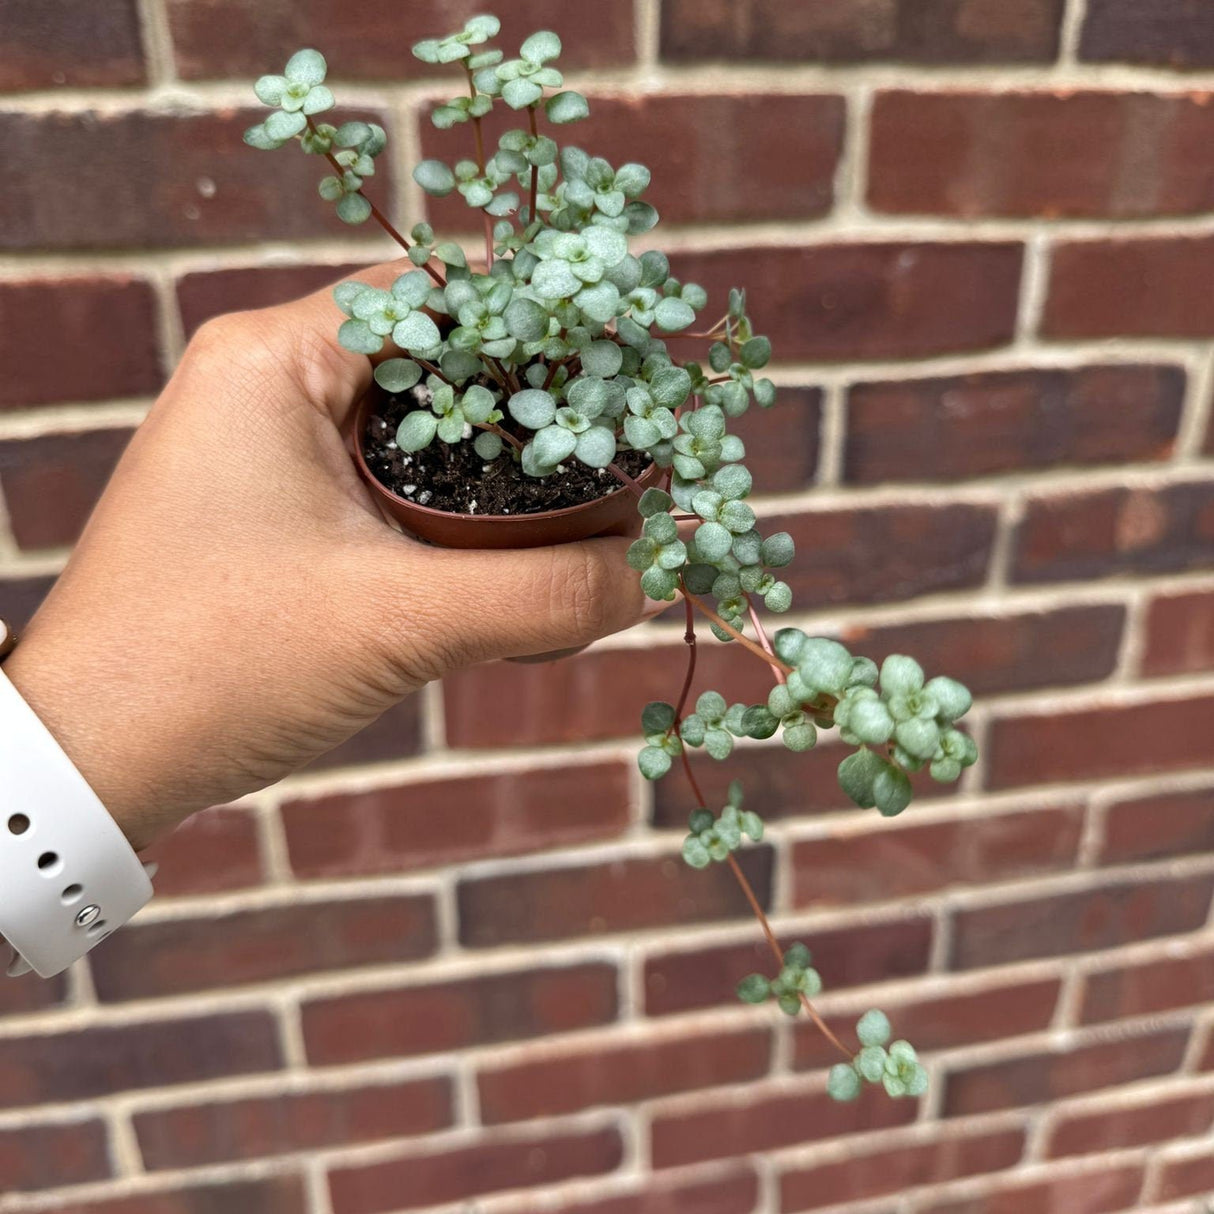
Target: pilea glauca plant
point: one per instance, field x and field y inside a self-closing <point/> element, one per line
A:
<point x="556" y="351"/>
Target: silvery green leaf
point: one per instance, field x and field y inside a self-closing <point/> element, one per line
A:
<point x="953" y="698"/>
<point x="694" y="851"/>
<point x="659" y="583"/>
<point x="873" y="1028"/>
<point x="434" y="177"/>
<point x="602" y="358"/>
<point x="503" y="204"/>
<point x="554" y="280"/>
<point x="606" y="244"/>
<point x="452" y="52"/>
<point x="284" y="126"/>
<point x="713" y="541"/>
<point x="451" y="428"/>
<point x="596" y="447"/>
<point x="412" y="288"/>
<point x="270" y="89"/>
<point x="553" y="444"/>
<point x="416" y="332"/>
<point x="525" y="319"/>
<point x="519" y="93"/>
<point x="353" y="208"/>
<point x="318" y="100"/>
<point x="900" y="675"/>
<point x="599" y="302"/>
<point x="345" y="293"/>
<point x="487" y="445"/>
<point x="858" y="773"/>
<point x="477" y="404"/>
<point x="641" y="432"/>
<point x="540" y="47"/>
<point x="416" y="430"/>
<point x="610" y="202"/>
<point x="632" y="179"/>
<point x="673" y="314"/>
<point x="306" y="67"/>
<point x="567" y="107"/>
<point x="397" y="374"/>
<point x="533" y="408"/>
<point x="918" y="737"/>
<point x="356" y="335"/>
<point x="258" y="137"/>
<point x="640" y="217"/>
<point x="843" y="1083"/>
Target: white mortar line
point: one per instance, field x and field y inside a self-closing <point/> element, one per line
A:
<point x="157" y="43"/>
<point x="1072" y="30"/>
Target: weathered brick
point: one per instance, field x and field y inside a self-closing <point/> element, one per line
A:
<point x="206" y="293"/>
<point x="52" y="482"/>
<point x="21" y="597"/>
<point x="716" y="157"/>
<point x="562" y="903"/>
<point x="1152" y="828"/>
<point x="446" y="1016"/>
<point x="1099" y="1191"/>
<point x="49" y="1154"/>
<point x="279" y="1194"/>
<point x="1079" y="536"/>
<point x="688" y="979"/>
<point x="423" y="824"/>
<point x="734" y="1192"/>
<point x="1050" y="1075"/>
<point x="992" y="422"/>
<point x="1001" y="653"/>
<point x="82" y="1064"/>
<point x="1179" y="634"/>
<point x="1104" y="915"/>
<point x="878" y="862"/>
<point x="1186" y="1176"/>
<point x="583" y="1077"/>
<point x="1169" y="33"/>
<point x="223" y="950"/>
<point x="719" y="1127"/>
<point x="1138" y="988"/>
<point x="166" y="179"/>
<point x="1156" y="1119"/>
<point x="198" y="1133"/>
<point x="108" y="324"/>
<point x="832" y="303"/>
<point x="485" y="1167"/>
<point x="29" y="994"/>
<point x="243" y="39"/>
<point x="782" y="443"/>
<point x="1147" y="287"/>
<point x="894" y="1169"/>
<point x="946" y="1021"/>
<point x="847" y="31"/>
<point x="1049" y="154"/>
<point x="50" y="43"/>
<point x="217" y="849"/>
<point x="1099" y="743"/>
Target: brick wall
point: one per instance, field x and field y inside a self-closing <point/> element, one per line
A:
<point x="981" y="233"/>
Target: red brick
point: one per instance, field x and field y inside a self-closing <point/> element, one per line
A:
<point x="49" y="43"/>
<point x="109" y="324"/>
<point x="894" y="1169"/>
<point x="1185" y="1176"/>
<point x="1096" y="1192"/>
<point x="879" y="862"/>
<point x="716" y="157"/>
<point x="849" y="956"/>
<point x="584" y="1077"/>
<point x="215" y="850"/>
<point x="1158" y="1119"/>
<point x="29" y="993"/>
<point x="847" y="31"/>
<point x="167" y="180"/>
<point x="395" y="735"/>
<point x="192" y="1135"/>
<point x="1148" y="986"/>
<point x="447" y="1016"/>
<point x="777" y="783"/>
<point x="562" y="903"/>
<point x="21" y="597"/>
<point x="1169" y="33"/>
<point x="484" y="1167"/>
<point x="1050" y="1075"/>
<point x="281" y="1194"/>
<point x="994" y="422"/>
<point x="82" y="1064"/>
<point x="424" y="824"/>
<point x="207" y="293"/>
<point x="594" y="695"/>
<point x="878" y="554"/>
<point x="782" y="443"/>
<point x="1147" y="287"/>
<point x="837" y="303"/>
<point x="179" y="955"/>
<point x="759" y="1119"/>
<point x="1152" y="828"/>
<point x="947" y="1021"/>
<point x="1048" y="154"/>
<point x="1099" y="743"/>
<point x="1074" y="536"/>
<point x="47" y="1155"/>
<point x="51" y="483"/>
<point x="1179" y="634"/>
<point x="1102" y="916"/>
<point x="998" y="653"/>
<point x="243" y="39"/>
<point x="733" y="1193"/>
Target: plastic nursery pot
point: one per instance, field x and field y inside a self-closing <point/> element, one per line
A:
<point x="615" y="514"/>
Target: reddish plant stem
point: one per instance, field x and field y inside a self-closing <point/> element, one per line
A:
<point x="625" y="479"/>
<point x="432" y="369"/>
<point x="504" y="435"/>
<point x="533" y="193"/>
<point x="744" y="641"/>
<point x="480" y="164"/>
<point x="761" y="632"/>
<point x="689" y="639"/>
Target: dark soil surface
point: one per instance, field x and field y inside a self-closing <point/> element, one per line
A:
<point x="454" y="478"/>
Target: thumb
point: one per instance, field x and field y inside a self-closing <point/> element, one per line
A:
<point x="536" y="600"/>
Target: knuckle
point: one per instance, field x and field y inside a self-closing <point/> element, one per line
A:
<point x="587" y="588"/>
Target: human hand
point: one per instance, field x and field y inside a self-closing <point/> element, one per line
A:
<point x="237" y="605"/>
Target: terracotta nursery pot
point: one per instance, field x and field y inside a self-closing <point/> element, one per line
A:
<point x="615" y="514"/>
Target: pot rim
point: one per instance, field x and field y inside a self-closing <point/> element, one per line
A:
<point x="362" y="416"/>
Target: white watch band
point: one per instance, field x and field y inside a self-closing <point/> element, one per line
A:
<point x="68" y="876"/>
